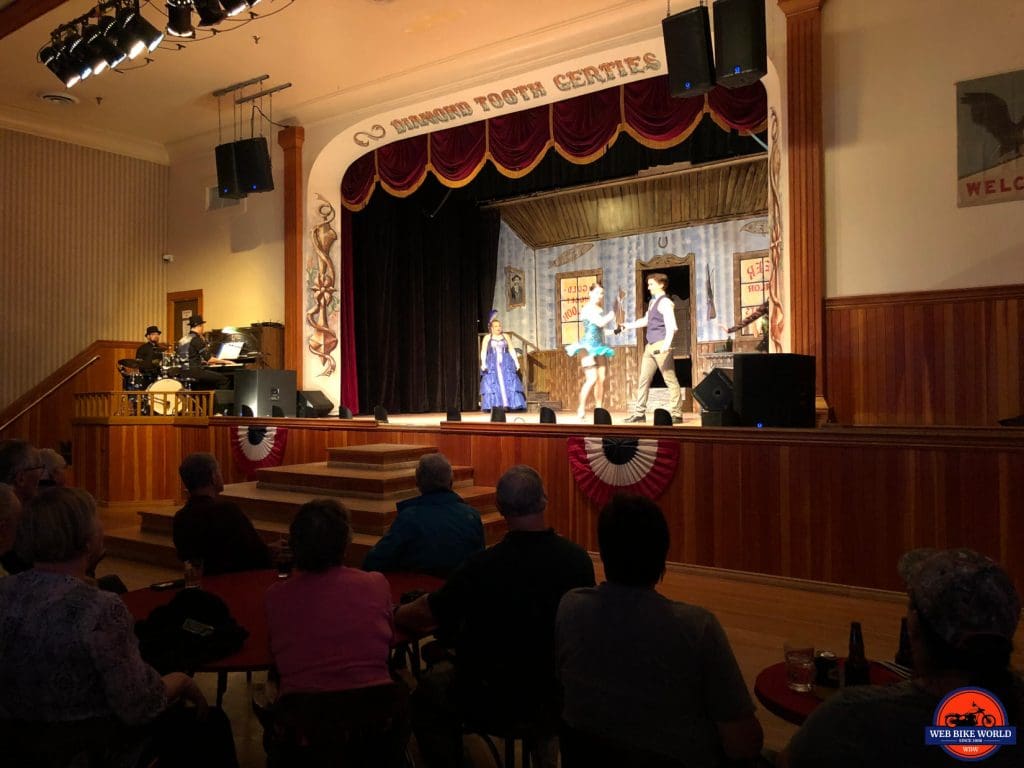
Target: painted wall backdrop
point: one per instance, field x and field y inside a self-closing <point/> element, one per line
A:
<point x="713" y="246"/>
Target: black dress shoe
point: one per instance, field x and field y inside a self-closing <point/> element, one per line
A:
<point x="635" y="420"/>
<point x="677" y="419"/>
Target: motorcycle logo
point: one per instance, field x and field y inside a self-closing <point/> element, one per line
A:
<point x="970" y="725"/>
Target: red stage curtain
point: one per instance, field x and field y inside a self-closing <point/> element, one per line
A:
<point x="457" y="154"/>
<point x="580" y="129"/>
<point x="517" y="142"/>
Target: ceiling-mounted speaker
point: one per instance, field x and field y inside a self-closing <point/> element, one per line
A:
<point x="741" y="47"/>
<point x="243" y="167"/>
<point x="691" y="63"/>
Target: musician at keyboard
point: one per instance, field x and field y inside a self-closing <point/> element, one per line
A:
<point x="194" y="349"/>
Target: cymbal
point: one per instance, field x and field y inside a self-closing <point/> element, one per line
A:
<point x="130" y="362"/>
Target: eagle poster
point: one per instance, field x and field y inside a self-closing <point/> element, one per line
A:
<point x="990" y="139"/>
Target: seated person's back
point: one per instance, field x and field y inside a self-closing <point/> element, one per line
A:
<point x="214" y="530"/>
<point x="643" y="671"/>
<point x="433" y="532"/>
<point x="330" y="626"/>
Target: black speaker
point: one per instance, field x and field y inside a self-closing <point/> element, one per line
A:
<point x="691" y="64"/>
<point x="265" y="393"/>
<point x="312" y="404"/>
<point x="741" y="48"/>
<point x="715" y="392"/>
<point x="224" y="402"/>
<point x="773" y="390"/>
<point x="243" y="167"/>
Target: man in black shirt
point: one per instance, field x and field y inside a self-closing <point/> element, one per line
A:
<point x="195" y="350"/>
<point x="499" y="607"/>
<point x="150" y="354"/>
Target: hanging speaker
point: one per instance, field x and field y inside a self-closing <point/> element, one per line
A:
<point x="228" y="184"/>
<point x="252" y="159"/>
<point x="741" y="48"/>
<point x="691" y="65"/>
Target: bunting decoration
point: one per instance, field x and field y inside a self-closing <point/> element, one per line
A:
<point x="604" y="466"/>
<point x="258" y="447"/>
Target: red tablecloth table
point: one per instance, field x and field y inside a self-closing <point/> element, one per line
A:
<point x="793" y="707"/>
<point x="243" y="592"/>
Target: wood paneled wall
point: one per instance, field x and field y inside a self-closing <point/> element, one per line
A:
<point x="939" y="357"/>
<point x="834" y="504"/>
<point x="563" y="376"/>
<point x="81" y="237"/>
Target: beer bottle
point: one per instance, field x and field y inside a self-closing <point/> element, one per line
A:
<point x="855" y="671"/>
<point x="904" y="656"/>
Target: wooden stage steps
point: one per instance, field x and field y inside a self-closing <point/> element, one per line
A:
<point x="369" y="479"/>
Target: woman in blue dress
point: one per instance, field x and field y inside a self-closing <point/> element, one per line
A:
<point x="500" y="386"/>
<point x="596" y="354"/>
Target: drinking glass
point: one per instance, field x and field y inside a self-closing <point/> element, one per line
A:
<point x="193" y="573"/>
<point x="799" y="667"/>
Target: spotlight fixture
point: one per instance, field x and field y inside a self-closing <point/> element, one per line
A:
<point x="53" y="57"/>
<point x="234" y="7"/>
<point x="179" y="18"/>
<point x="137" y="26"/>
<point x="210" y="12"/>
<point x="100" y="52"/>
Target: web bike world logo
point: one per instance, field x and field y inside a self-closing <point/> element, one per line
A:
<point x="970" y="725"/>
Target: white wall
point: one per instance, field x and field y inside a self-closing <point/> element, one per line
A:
<point x="235" y="255"/>
<point x="891" y="219"/>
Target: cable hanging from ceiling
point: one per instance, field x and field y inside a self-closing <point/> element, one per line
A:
<point x="115" y="32"/>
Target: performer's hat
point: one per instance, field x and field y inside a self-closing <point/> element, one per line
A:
<point x="195" y="320"/>
<point x="492" y="317"/>
<point x="153" y="329"/>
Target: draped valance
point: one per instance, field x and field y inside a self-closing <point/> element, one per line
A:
<point x="580" y="129"/>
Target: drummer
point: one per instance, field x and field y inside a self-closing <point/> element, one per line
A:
<point x="194" y="349"/>
<point x="150" y="354"/>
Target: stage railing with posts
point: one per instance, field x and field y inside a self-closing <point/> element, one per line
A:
<point x="111" y="406"/>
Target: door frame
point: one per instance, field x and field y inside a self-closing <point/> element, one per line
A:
<point x="176" y="296"/>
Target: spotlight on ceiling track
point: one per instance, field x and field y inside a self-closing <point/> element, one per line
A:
<point x="100" y="52"/>
<point x="210" y="12"/>
<point x="137" y="26"/>
<point x="234" y="7"/>
<point x="52" y="56"/>
<point x="179" y="18"/>
<point x="73" y="53"/>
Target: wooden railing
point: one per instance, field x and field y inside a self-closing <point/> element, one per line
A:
<point x="143" y="405"/>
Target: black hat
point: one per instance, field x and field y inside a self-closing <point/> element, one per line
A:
<point x="153" y="329"/>
<point x="195" y="320"/>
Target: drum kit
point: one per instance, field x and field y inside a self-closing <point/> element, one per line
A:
<point x="169" y="378"/>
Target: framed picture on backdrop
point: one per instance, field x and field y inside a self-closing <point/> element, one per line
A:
<point x="515" y="288"/>
<point x="990" y="139"/>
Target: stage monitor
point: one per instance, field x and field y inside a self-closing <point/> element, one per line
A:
<point x="265" y="393"/>
<point x="773" y="390"/>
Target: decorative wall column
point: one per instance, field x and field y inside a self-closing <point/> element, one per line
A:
<point x="290" y="139"/>
<point x="806" y="174"/>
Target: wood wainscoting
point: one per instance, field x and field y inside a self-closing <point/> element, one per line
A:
<point x="837" y="504"/>
<point x="935" y="357"/>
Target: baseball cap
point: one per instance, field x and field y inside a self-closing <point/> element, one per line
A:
<point x="961" y="593"/>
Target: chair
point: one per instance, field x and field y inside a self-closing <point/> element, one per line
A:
<point x="509" y="733"/>
<point x="359" y="728"/>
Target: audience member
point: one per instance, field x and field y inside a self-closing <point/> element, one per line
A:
<point x="500" y="607"/>
<point x="646" y="680"/>
<point x="433" y="532"/>
<point x="212" y="530"/>
<point x="10" y="514"/>
<point x="20" y="467"/>
<point x="330" y="626"/>
<point x="961" y="617"/>
<point x="71" y="678"/>
<point x="54" y="469"/>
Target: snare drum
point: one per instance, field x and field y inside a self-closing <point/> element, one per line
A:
<point x="133" y="381"/>
<point x="164" y="401"/>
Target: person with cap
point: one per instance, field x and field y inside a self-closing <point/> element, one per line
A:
<point x="194" y="349"/>
<point x="150" y="354"/>
<point x="962" y="613"/>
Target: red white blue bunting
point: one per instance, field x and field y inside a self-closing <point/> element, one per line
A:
<point x="604" y="466"/>
<point x="258" y="447"/>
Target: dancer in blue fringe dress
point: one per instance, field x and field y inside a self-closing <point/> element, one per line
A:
<point x="500" y="385"/>
<point x="596" y="353"/>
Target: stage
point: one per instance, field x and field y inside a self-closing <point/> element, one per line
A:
<point x="565" y="417"/>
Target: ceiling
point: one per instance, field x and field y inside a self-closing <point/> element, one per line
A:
<point x="343" y="58"/>
<point x="649" y="203"/>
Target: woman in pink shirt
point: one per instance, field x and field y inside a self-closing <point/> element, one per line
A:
<point x="330" y="626"/>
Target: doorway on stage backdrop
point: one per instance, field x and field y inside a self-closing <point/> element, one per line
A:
<point x="679" y="270"/>
<point x="181" y="306"/>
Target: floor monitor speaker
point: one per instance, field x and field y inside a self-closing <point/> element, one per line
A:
<point x="691" y="63"/>
<point x="773" y="390"/>
<point x="741" y="48"/>
<point x="715" y="392"/>
<point x="312" y="403"/>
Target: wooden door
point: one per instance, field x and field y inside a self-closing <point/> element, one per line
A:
<point x="181" y="306"/>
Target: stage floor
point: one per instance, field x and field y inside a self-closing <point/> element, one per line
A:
<point x="521" y="417"/>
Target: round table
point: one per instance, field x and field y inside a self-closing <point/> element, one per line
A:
<point x="794" y="707"/>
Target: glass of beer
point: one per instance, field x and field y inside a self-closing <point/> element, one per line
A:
<point x="800" y="668"/>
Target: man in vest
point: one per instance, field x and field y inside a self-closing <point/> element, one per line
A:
<point x="660" y="322"/>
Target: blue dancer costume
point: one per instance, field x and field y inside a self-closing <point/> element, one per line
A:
<point x="500" y="386"/>
<point x="592" y="342"/>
